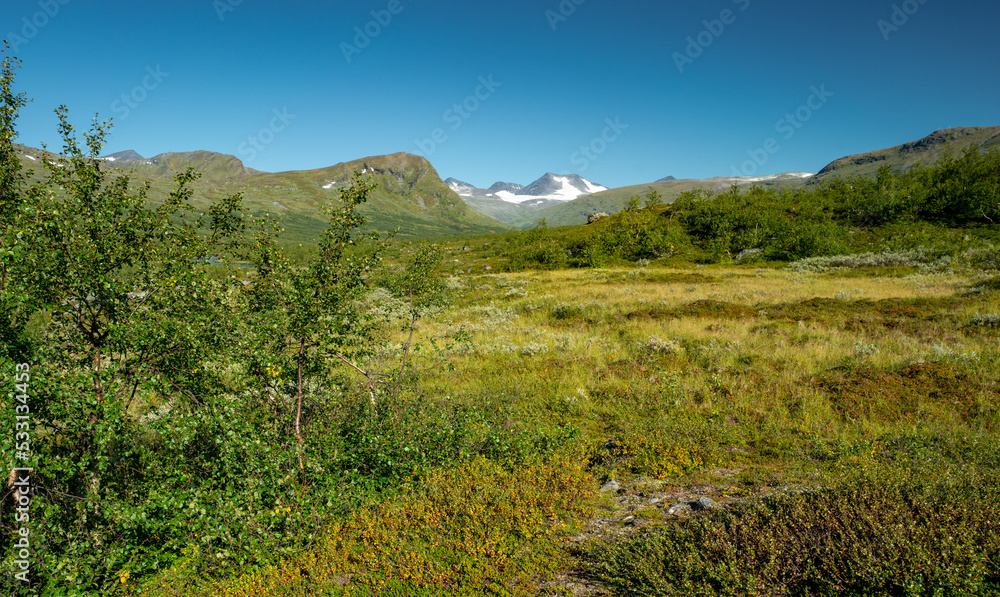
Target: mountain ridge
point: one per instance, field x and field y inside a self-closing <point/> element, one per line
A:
<point x="413" y="198"/>
<point x="410" y="196"/>
<point x="905" y="156"/>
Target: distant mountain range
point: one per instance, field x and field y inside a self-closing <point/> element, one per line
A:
<point x="571" y="213"/>
<point x="412" y="198"/>
<point x="925" y="151"/>
<point x="509" y="202"/>
<point x="549" y="188"/>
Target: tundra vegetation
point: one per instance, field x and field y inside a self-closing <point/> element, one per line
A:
<point x="378" y="417"/>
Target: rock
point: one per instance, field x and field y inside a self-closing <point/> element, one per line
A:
<point x="654" y="501"/>
<point x="610" y="487"/>
<point x="704" y="503"/>
<point x="628" y="520"/>
<point x="487" y="269"/>
<point x="678" y="509"/>
<point x="596" y="216"/>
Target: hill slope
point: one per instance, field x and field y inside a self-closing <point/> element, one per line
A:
<point x="925" y="152"/>
<point x="410" y="195"/>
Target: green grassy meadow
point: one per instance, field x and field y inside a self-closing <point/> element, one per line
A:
<point x="846" y="424"/>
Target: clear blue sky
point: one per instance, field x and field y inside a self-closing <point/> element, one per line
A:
<point x="185" y="75"/>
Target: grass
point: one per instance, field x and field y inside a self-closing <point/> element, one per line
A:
<point x="855" y="418"/>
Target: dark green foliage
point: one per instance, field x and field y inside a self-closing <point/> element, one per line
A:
<point x="784" y="226"/>
<point x="637" y="232"/>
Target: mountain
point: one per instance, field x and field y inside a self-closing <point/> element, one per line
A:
<point x="410" y="195"/>
<point x="510" y="187"/>
<point x="667" y="179"/>
<point x="556" y="187"/>
<point x="211" y="165"/>
<point x="903" y="157"/>
<point x="491" y="204"/>
<point x="550" y="187"/>
<point x="124" y="156"/>
<point x="509" y="201"/>
<point x="612" y="201"/>
<point x="464" y="189"/>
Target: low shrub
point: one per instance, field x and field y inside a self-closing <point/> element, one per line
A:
<point x="475" y="528"/>
<point x="876" y="532"/>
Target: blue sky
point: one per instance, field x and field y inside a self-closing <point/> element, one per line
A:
<point x="622" y="92"/>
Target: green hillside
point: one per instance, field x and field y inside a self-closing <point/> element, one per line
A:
<point x="410" y="194"/>
<point x="211" y="165"/>
<point x="903" y="157"/>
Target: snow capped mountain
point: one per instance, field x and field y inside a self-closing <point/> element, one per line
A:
<point x="463" y="189"/>
<point x="551" y="187"/>
<point x="566" y="187"/>
<point x="511" y="187"/>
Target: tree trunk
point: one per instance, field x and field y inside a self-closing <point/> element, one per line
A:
<point x="298" y="409"/>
